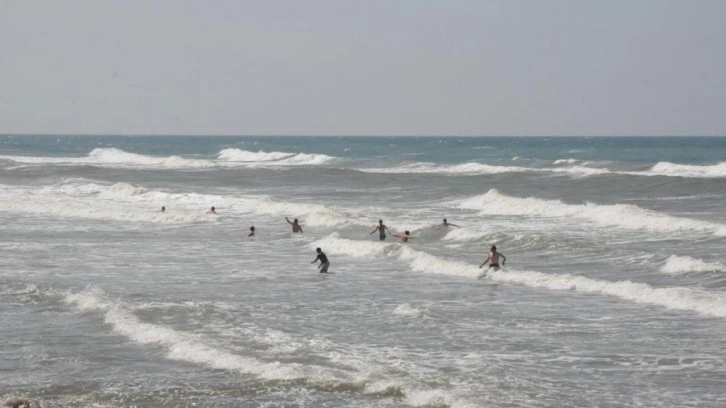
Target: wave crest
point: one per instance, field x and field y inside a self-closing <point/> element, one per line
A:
<point x="679" y="265"/>
<point x="625" y="216"/>
<point x="688" y="170"/>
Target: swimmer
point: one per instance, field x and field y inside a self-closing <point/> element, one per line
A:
<point x="252" y="232"/>
<point x="212" y="211"/>
<point x="324" y="263"/>
<point x="381" y="228"/>
<point x="405" y="237"/>
<point x="295" y="226"/>
<point x="493" y="258"/>
<point x="447" y="224"/>
<point x="163" y="209"/>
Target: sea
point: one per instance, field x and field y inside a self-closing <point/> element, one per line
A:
<point x="613" y="293"/>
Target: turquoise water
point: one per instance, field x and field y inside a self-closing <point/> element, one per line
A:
<point x="614" y="291"/>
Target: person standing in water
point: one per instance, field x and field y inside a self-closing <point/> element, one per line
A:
<point x="252" y="232"/>
<point x="324" y="263"/>
<point x="405" y="237"/>
<point x="447" y="224"/>
<point x="163" y="209"/>
<point x="493" y="258"/>
<point x="381" y="228"/>
<point x="295" y="225"/>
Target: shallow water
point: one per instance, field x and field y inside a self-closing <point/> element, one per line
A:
<point x="614" y="293"/>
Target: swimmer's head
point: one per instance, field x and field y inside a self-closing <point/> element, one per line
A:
<point x="494" y="248"/>
<point x="406" y="232"/>
<point x="318" y="249"/>
<point x="252" y="228"/>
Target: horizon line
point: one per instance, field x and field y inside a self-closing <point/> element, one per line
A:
<point x="327" y="135"/>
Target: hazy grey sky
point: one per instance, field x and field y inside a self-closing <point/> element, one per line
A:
<point x="416" y="67"/>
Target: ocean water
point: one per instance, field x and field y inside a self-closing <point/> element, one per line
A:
<point x="613" y="294"/>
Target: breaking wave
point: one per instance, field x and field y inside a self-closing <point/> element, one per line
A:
<point x="705" y="303"/>
<point x="616" y="215"/>
<point x="474" y="169"/>
<point x="127" y="202"/>
<point x="357" y="374"/>
<point x="233" y="155"/>
<point x="113" y="157"/>
<point x="679" y="265"/>
<point x="688" y="170"/>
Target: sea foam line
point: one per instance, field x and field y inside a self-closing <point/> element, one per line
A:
<point x="125" y="202"/>
<point x="625" y="216"/>
<point x="114" y="157"/>
<point x="191" y="348"/>
<point x="679" y="265"/>
<point x="705" y="303"/>
<point x="180" y="346"/>
<point x="688" y="170"/>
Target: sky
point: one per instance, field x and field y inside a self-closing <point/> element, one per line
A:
<point x="376" y="67"/>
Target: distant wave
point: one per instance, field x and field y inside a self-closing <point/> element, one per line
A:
<point x="233" y="155"/>
<point x="679" y="265"/>
<point x="688" y="170"/>
<point x="710" y="304"/>
<point x="616" y="215"/>
<point x="116" y="158"/>
<point x="80" y="198"/>
<point x="113" y="157"/>
<point x="473" y="169"/>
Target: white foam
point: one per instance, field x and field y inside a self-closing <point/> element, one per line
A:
<point x="406" y="309"/>
<point x="180" y="345"/>
<point x="709" y="304"/>
<point x="473" y="169"/>
<point x="565" y="161"/>
<point x="126" y="202"/>
<point x="113" y="157"/>
<point x="417" y="260"/>
<point x="679" y="265"/>
<point x="617" y="215"/>
<point x="465" y="235"/>
<point x="457" y="169"/>
<point x="688" y="170"/>
<point x="263" y="158"/>
<point x="232" y="154"/>
<point x="29" y="202"/>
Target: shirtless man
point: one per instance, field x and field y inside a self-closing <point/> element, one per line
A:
<point x="447" y="224"/>
<point x="381" y="230"/>
<point x="324" y="263"/>
<point x="212" y="211"/>
<point x="493" y="258"/>
<point x="295" y="226"/>
<point x="405" y="237"/>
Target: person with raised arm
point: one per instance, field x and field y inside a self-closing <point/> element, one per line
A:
<point x="447" y="224"/>
<point x="295" y="225"/>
